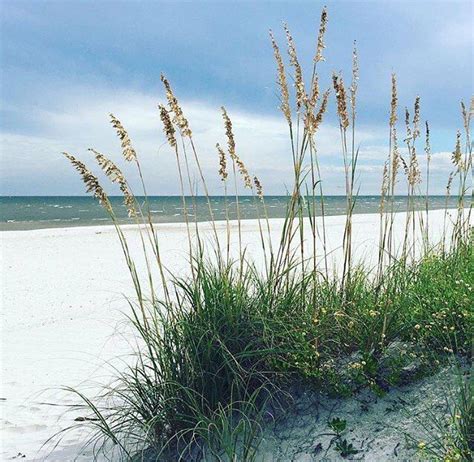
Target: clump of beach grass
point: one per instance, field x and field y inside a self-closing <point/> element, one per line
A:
<point x="220" y="347"/>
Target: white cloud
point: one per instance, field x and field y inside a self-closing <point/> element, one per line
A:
<point x="78" y="119"/>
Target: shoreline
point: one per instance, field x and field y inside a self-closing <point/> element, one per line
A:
<point x="201" y="223"/>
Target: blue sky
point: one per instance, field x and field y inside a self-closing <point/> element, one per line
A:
<point x="66" y="64"/>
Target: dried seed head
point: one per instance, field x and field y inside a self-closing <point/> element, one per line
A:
<point x="427" y="142"/>
<point x="231" y="146"/>
<point x="416" y="118"/>
<point x="405" y="166"/>
<point x="168" y="127"/>
<point x="91" y="182"/>
<point x="282" y="83"/>
<point x="322" y="108"/>
<point x="407" y="124"/>
<point x="222" y="163"/>
<point x="116" y="176"/>
<point x="394" y="102"/>
<point x="450" y="181"/>
<point x="175" y="108"/>
<point x="355" y="78"/>
<point x="322" y="31"/>
<point x="457" y="153"/>
<point x="229" y="133"/>
<point x="314" y="121"/>
<point x="341" y="100"/>
<point x="313" y="99"/>
<point x="243" y="172"/>
<point x="127" y="150"/>
<point x="466" y="115"/>
<point x="299" y="84"/>
<point x="258" y="187"/>
<point x="414" y="173"/>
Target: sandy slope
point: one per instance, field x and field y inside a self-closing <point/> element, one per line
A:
<point x="62" y="317"/>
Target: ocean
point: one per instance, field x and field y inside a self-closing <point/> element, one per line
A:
<point x="35" y="212"/>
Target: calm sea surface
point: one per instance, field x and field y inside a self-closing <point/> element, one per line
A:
<point x="20" y="213"/>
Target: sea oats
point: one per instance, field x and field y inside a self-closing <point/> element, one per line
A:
<point x="405" y="166"/>
<point x="258" y="187"/>
<point x="416" y="118"/>
<point x="427" y="142"/>
<point x="243" y="172"/>
<point x="282" y="83"/>
<point x="231" y="146"/>
<point x="116" y="176"/>
<point x="355" y="79"/>
<point x="222" y="163"/>
<point x="414" y="175"/>
<point x="168" y="127"/>
<point x="322" y="31"/>
<point x="91" y="182"/>
<point x="394" y="102"/>
<point x="313" y="99"/>
<point x="315" y="120"/>
<point x="407" y="125"/>
<point x="127" y="150"/>
<point x="450" y="181"/>
<point x="294" y="62"/>
<point x="173" y="103"/>
<point x="457" y="153"/>
<point x="341" y="100"/>
<point x="229" y="133"/>
<point x="467" y="115"/>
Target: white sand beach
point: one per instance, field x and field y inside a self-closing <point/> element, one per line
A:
<point x="62" y="317"/>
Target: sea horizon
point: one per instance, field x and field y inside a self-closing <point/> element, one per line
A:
<point x="59" y="211"/>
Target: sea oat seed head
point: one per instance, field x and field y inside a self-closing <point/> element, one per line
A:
<point x="231" y="146"/>
<point x="416" y="118"/>
<point x="414" y="173"/>
<point x="222" y="163"/>
<point x="427" y="142"/>
<point x="407" y="124"/>
<point x="457" y="153"/>
<point x="243" y="172"/>
<point x="355" y="78"/>
<point x="341" y="100"/>
<point x="168" y="127"/>
<point x="282" y="83"/>
<point x="116" y="176"/>
<point x="91" y="181"/>
<point x="175" y="108"/>
<point x="316" y="120"/>
<point x="258" y="187"/>
<point x="394" y="102"/>
<point x="294" y="62"/>
<point x="450" y="180"/>
<point x="322" y="31"/>
<point x="229" y="133"/>
<point x="127" y="150"/>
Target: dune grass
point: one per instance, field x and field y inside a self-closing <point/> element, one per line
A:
<point x="220" y="347"/>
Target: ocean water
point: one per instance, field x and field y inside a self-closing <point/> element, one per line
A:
<point x="34" y="212"/>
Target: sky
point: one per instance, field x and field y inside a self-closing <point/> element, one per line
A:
<point x="65" y="65"/>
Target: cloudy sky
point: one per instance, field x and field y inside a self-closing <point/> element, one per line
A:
<point x="66" y="64"/>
